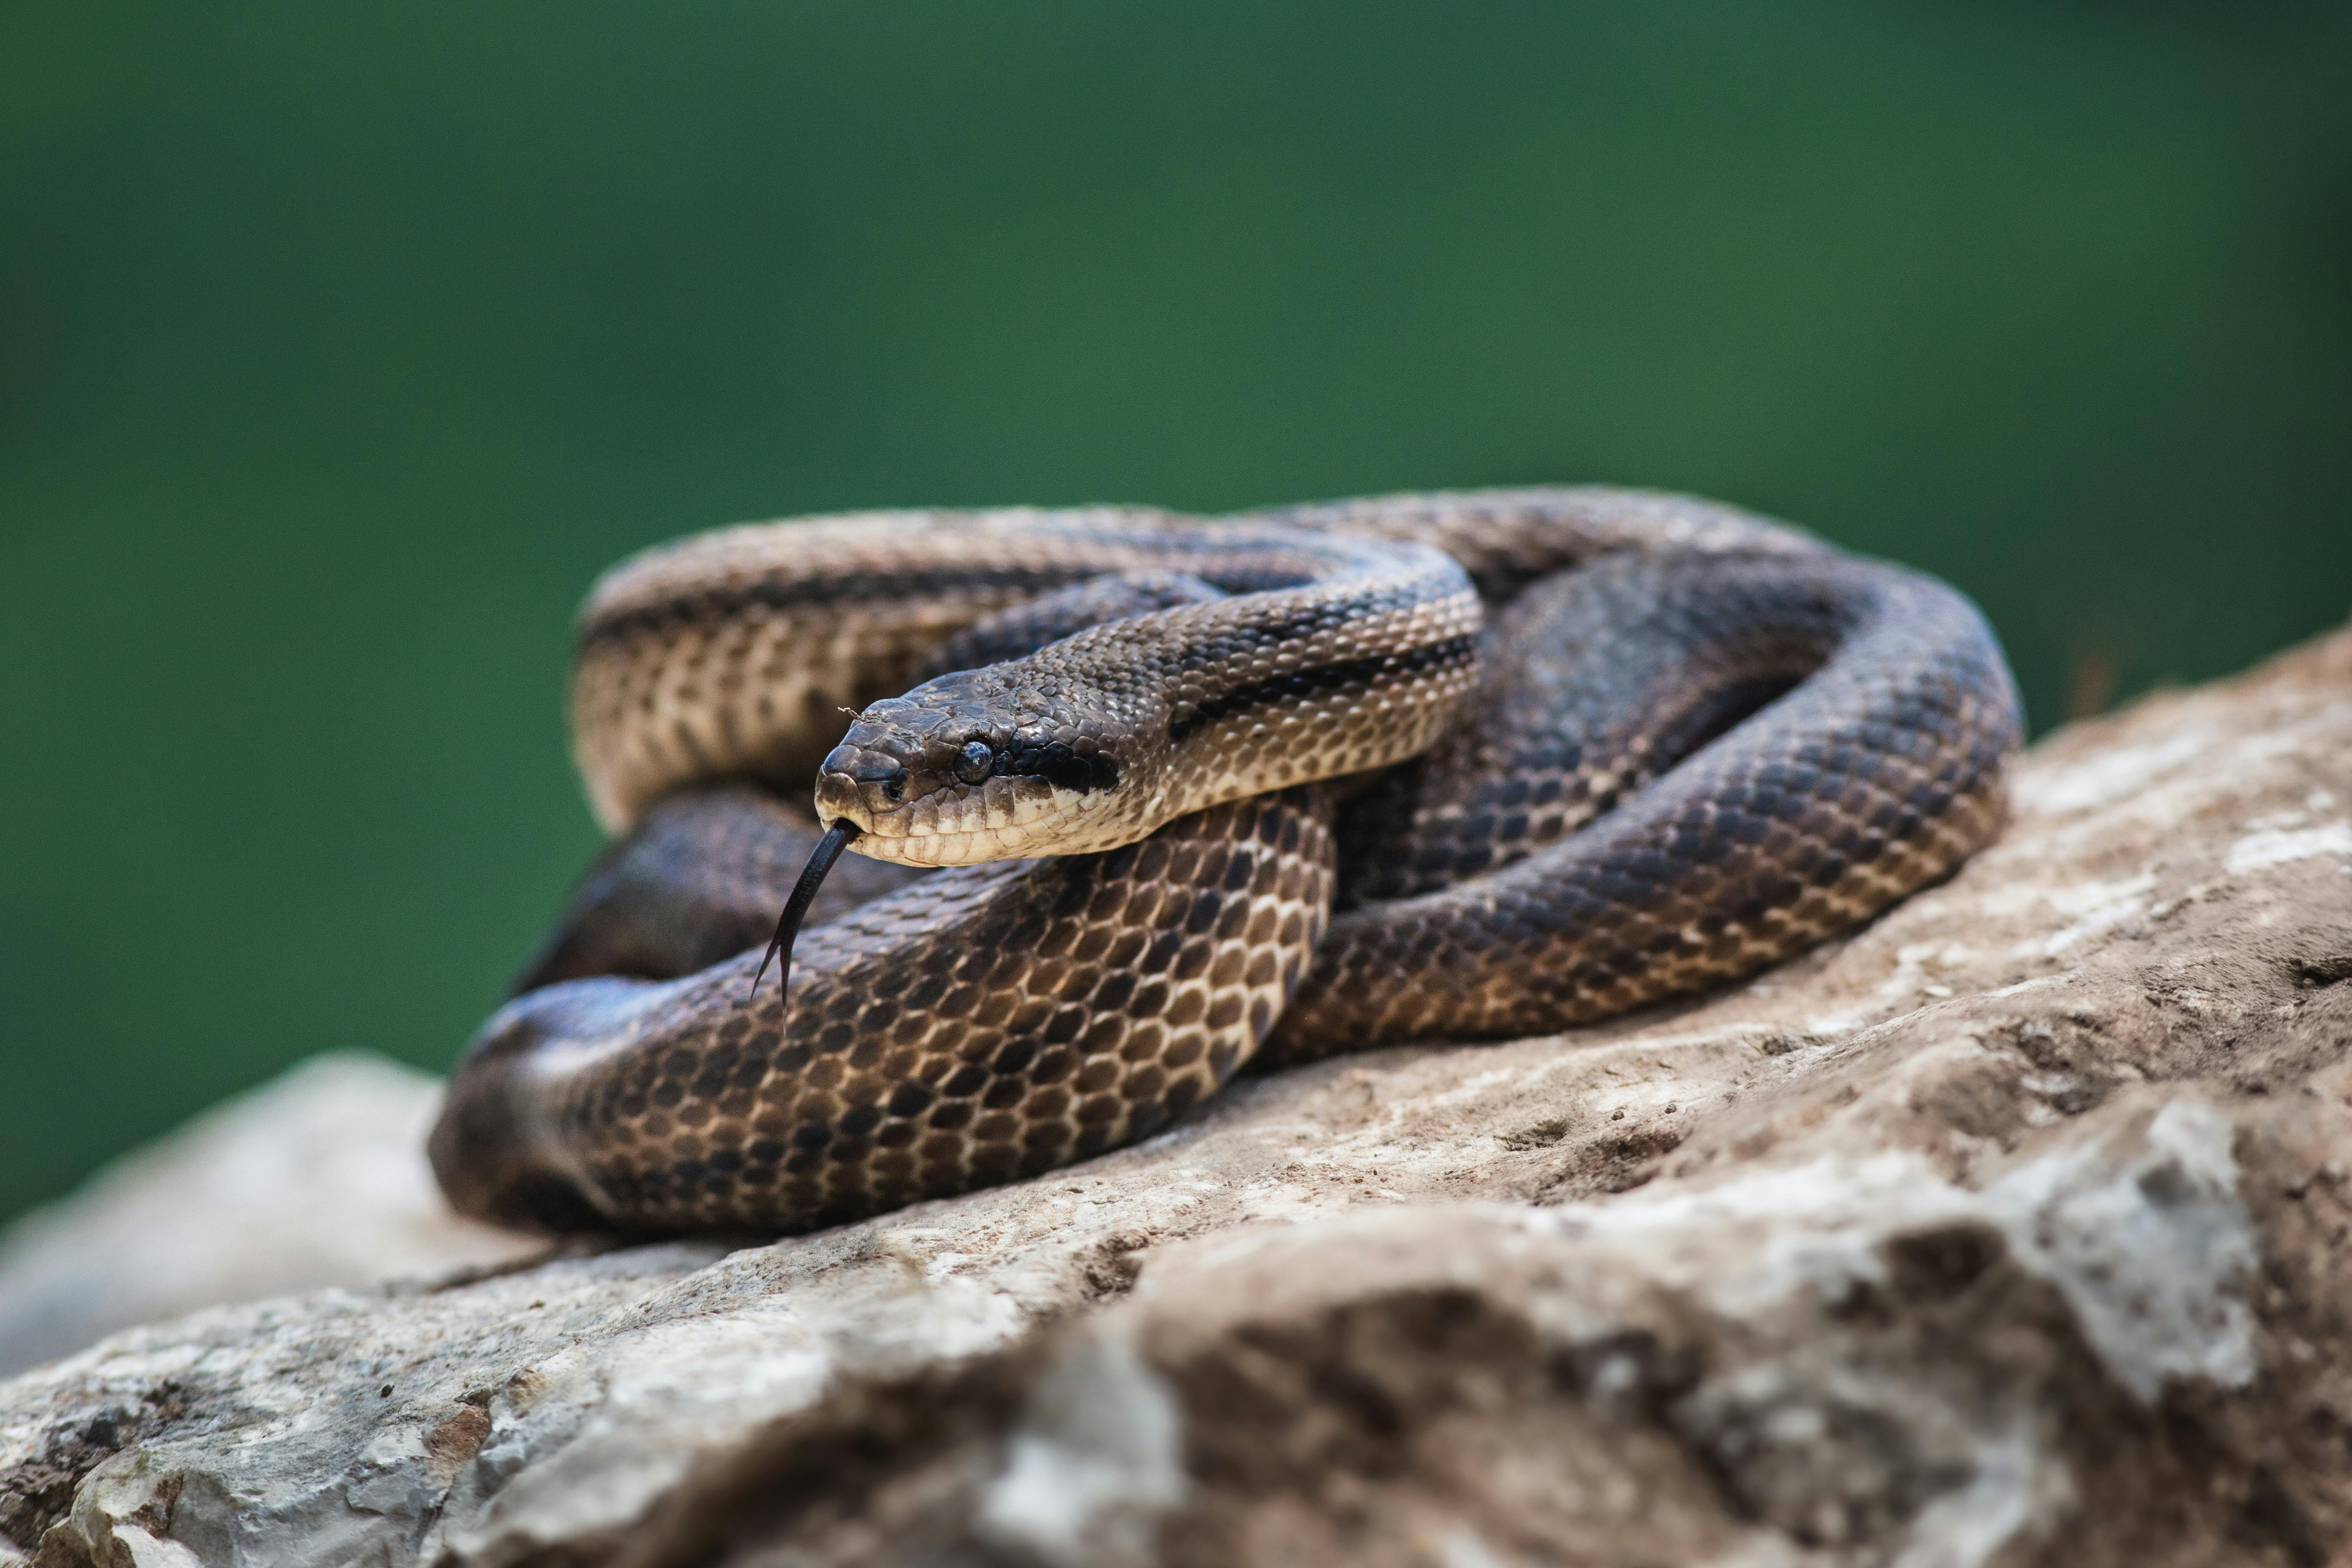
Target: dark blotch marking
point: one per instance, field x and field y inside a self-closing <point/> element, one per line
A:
<point x="1058" y="764"/>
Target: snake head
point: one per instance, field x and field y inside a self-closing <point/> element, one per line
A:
<point x="980" y="766"/>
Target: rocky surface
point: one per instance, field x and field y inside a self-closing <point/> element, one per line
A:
<point x="317" y="1179"/>
<point x="2012" y="1230"/>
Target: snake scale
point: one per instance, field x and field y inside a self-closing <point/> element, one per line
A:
<point x="1198" y="792"/>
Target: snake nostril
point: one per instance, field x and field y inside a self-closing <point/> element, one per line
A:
<point x="860" y="766"/>
<point x="890" y="775"/>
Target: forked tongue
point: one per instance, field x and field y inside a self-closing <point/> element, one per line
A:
<point x="788" y="924"/>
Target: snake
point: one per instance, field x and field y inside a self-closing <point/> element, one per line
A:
<point x="1133" y="800"/>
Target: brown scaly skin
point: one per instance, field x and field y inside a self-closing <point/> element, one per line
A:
<point x="1711" y="745"/>
<point x="1874" y="769"/>
<point x="988" y="1023"/>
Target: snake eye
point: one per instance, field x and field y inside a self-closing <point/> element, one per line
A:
<point x="975" y="761"/>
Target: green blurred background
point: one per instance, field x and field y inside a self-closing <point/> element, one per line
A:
<point x="340" y="346"/>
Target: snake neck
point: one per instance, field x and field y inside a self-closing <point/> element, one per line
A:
<point x="1098" y="741"/>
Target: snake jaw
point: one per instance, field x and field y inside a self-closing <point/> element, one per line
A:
<point x="959" y="824"/>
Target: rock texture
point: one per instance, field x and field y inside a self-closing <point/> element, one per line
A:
<point x="317" y="1179"/>
<point x="2012" y="1230"/>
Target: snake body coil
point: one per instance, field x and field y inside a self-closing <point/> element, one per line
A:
<point x="1453" y="766"/>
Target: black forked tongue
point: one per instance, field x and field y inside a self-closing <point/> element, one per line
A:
<point x="788" y="924"/>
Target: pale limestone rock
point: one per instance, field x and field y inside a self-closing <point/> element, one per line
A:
<point x="2011" y="1230"/>
<point x="316" y="1179"/>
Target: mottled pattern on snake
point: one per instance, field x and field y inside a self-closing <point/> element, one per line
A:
<point x="1678" y="744"/>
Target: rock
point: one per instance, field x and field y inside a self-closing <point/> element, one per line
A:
<point x="317" y="1179"/>
<point x="2010" y="1230"/>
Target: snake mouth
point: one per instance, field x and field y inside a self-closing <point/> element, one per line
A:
<point x="1006" y="819"/>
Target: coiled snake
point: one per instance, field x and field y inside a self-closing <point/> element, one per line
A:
<point x="1456" y="767"/>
